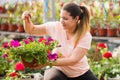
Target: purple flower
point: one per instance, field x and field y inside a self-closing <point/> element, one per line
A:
<point x="52" y="57"/>
<point x="14" y="43"/>
<point x="31" y="39"/>
<point x="4" y="55"/>
<point x="50" y="39"/>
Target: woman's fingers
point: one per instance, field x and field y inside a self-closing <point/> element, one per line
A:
<point x="26" y="16"/>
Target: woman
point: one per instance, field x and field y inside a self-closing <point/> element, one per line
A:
<point x="72" y="32"/>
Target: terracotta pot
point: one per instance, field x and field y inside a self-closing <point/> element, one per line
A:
<point x="112" y="32"/>
<point x="4" y="27"/>
<point x="93" y="31"/>
<point x="29" y="64"/>
<point x="20" y="28"/>
<point x="12" y="27"/>
<point x="102" y="32"/>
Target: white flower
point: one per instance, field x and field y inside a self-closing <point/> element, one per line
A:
<point x="116" y="52"/>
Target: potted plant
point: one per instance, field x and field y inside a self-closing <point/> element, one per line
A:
<point x="5" y="62"/>
<point x="32" y="51"/>
<point x="10" y="7"/>
<point x="106" y="68"/>
<point x="12" y="24"/>
<point x="112" y="28"/>
<point x="93" y="28"/>
<point x="102" y="28"/>
<point x="118" y="23"/>
<point x="29" y="53"/>
<point x="20" y="27"/>
<point x="2" y="8"/>
<point x="4" y="24"/>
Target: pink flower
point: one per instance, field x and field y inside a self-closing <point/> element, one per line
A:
<point x="107" y="55"/>
<point x="5" y="45"/>
<point x="14" y="43"/>
<point x="46" y="43"/>
<point x="19" y="66"/>
<point x="31" y="39"/>
<point x="52" y="57"/>
<point x="25" y="41"/>
<point x="5" y="55"/>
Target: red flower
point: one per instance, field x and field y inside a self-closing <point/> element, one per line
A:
<point x="107" y="55"/>
<point x="41" y="39"/>
<point x="102" y="45"/>
<point x="13" y="74"/>
<point x="19" y="66"/>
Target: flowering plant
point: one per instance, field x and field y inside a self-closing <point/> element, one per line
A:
<point x="16" y="72"/>
<point x="4" y="63"/>
<point x="37" y="51"/>
<point x="107" y="65"/>
<point x="28" y="53"/>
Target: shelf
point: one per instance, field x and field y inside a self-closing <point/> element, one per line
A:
<point x="16" y="33"/>
<point x="13" y="33"/>
<point x="115" y="40"/>
<point x="107" y="39"/>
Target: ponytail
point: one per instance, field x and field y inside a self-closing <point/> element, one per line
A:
<point x="83" y="24"/>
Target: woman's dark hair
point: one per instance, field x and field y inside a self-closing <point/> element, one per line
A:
<point x="84" y="19"/>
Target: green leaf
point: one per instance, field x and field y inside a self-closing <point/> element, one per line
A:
<point x="28" y="59"/>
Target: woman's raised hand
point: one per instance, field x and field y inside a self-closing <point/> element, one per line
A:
<point x="28" y="25"/>
<point x="26" y="16"/>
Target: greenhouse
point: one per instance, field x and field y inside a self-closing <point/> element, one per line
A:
<point x="59" y="39"/>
